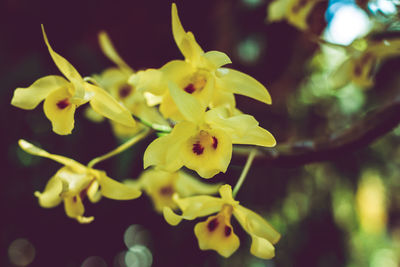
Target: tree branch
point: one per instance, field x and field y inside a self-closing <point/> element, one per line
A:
<point x="374" y="125"/>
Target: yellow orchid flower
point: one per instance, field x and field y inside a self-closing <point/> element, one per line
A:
<point x="61" y="97"/>
<point x="295" y="12"/>
<point x="161" y="186"/>
<point x="115" y="81"/>
<point x="362" y="62"/>
<point x="203" y="142"/>
<point x="73" y="182"/>
<point x="201" y="75"/>
<point x="216" y="233"/>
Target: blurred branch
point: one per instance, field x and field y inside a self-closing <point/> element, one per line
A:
<point x="373" y="125"/>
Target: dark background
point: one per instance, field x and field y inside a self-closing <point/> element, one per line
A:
<point x="299" y="201"/>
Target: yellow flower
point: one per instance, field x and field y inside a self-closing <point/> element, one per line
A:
<point x="115" y="81"/>
<point x="61" y="97"/>
<point x="296" y="12"/>
<point x="201" y="76"/>
<point x="73" y="182"/>
<point x="362" y="62"/>
<point x="203" y="142"/>
<point x="216" y="233"/>
<point x="161" y="186"/>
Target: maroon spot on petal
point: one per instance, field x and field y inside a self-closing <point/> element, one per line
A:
<point x="166" y="190"/>
<point x="83" y="193"/>
<point x="212" y="224"/>
<point x="357" y="70"/>
<point x="62" y="104"/>
<point x="74" y="199"/>
<point x="124" y="90"/>
<point x="228" y="231"/>
<point x="197" y="148"/>
<point x="190" y="88"/>
<point x="214" y="142"/>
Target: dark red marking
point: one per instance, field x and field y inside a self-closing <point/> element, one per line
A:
<point x="190" y="88"/>
<point x="212" y="224"/>
<point x="198" y="148"/>
<point x="228" y="231"/>
<point x="63" y="103"/>
<point x="125" y="90"/>
<point x="74" y="199"/>
<point x="215" y="142"/>
<point x="166" y="191"/>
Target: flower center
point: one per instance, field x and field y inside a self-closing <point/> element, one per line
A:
<point x="221" y="221"/>
<point x="202" y="141"/>
<point x="62" y="104"/>
<point x="196" y="83"/>
<point x="125" y="90"/>
<point x="166" y="190"/>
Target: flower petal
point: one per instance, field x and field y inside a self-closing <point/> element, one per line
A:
<point x="198" y="206"/>
<point x="242" y="128"/>
<point x="188" y="185"/>
<point x="109" y="50"/>
<point x="60" y="111"/>
<point x="50" y="197"/>
<point x="66" y="68"/>
<point x="104" y="104"/>
<point x="30" y="97"/>
<point x="262" y="248"/>
<point x="185" y="41"/>
<point x="187" y="104"/>
<point x="115" y="190"/>
<point x="171" y="217"/>
<point x="239" y="83"/>
<point x="216" y="233"/>
<point x="254" y="224"/>
<point x="165" y="151"/>
<point x="208" y="152"/>
<point x="93" y="191"/>
<point x="34" y="150"/>
<point x="74" y="209"/>
<point x="217" y="58"/>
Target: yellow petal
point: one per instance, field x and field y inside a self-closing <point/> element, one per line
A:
<point x="74" y="209"/>
<point x="29" y="98"/>
<point x="185" y="41"/>
<point x="187" y="104"/>
<point x="115" y="190"/>
<point x="60" y="111"/>
<point x="34" y="150"/>
<point x="254" y="224"/>
<point x="188" y="185"/>
<point x="93" y="191"/>
<point x="198" y="206"/>
<point x="66" y="68"/>
<point x="242" y="128"/>
<point x="262" y="248"/>
<point x="73" y="182"/>
<point x="171" y="217"/>
<point x="223" y="99"/>
<point x="160" y="186"/>
<point x="165" y="152"/>
<point x="217" y="58"/>
<point x="51" y="194"/>
<point x="342" y="75"/>
<point x="104" y="104"/>
<point x="109" y="50"/>
<point x="208" y="152"/>
<point x="216" y="233"/>
<point x="239" y="83"/>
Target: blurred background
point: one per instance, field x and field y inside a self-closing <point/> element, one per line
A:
<point x="331" y="187"/>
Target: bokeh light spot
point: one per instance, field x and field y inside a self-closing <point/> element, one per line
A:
<point x="249" y="50"/>
<point x="136" y="235"/>
<point x="94" y="261"/>
<point x="21" y="252"/>
<point x="138" y="256"/>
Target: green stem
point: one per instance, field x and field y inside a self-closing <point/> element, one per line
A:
<point x="121" y="148"/>
<point x="157" y="127"/>
<point x="246" y="169"/>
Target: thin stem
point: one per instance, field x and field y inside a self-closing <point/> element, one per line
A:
<point x="246" y="169"/>
<point x="155" y="126"/>
<point x="121" y="148"/>
<point x="91" y="80"/>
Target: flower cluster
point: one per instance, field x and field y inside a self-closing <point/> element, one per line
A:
<point x="191" y="104"/>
